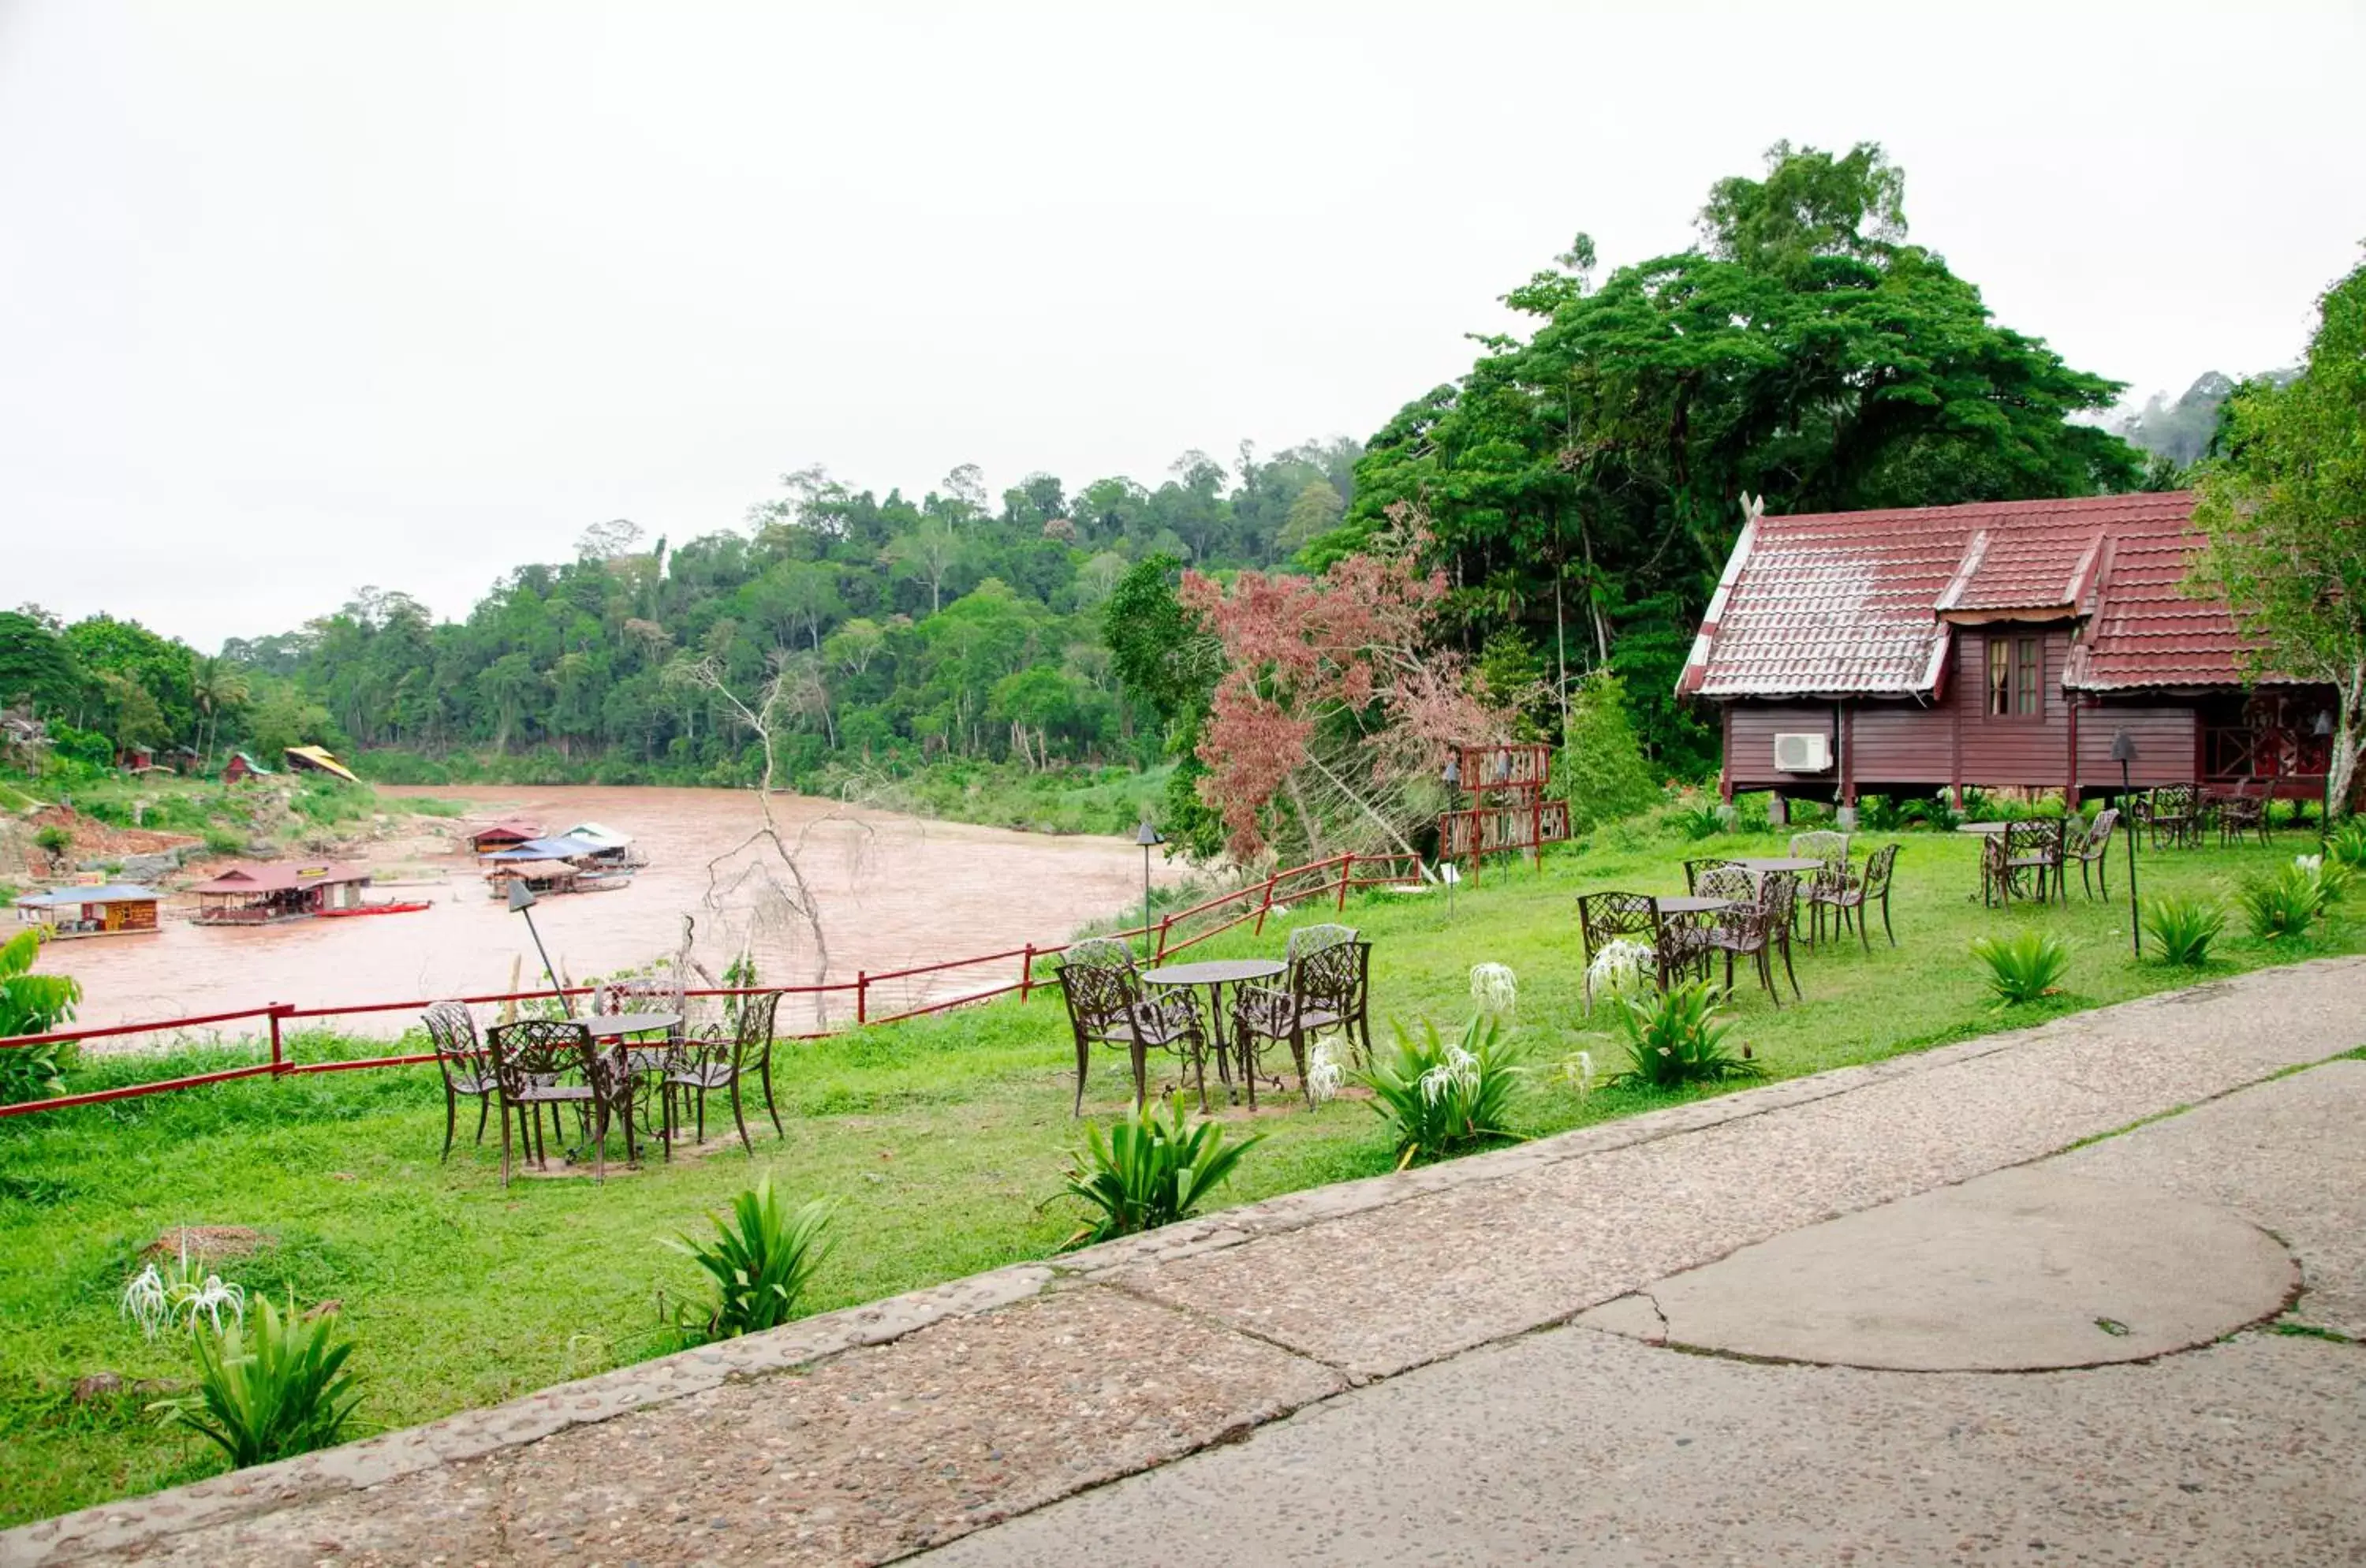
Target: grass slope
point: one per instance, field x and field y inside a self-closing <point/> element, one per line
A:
<point x="940" y="1139"/>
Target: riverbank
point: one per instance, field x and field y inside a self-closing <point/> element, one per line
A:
<point x="939" y="1141"/>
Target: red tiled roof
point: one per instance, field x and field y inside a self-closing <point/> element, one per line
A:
<point x="1855" y="603"/>
<point x="247" y="878"/>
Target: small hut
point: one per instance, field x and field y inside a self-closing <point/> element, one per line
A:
<point x="116" y="909"/>
<point x="249" y="895"/>
<point x="314" y="760"/>
<point x="241" y="767"/>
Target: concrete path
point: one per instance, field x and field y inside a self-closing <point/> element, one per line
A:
<point x="1402" y="1370"/>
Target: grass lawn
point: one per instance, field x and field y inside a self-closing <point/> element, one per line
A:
<point x="941" y="1141"/>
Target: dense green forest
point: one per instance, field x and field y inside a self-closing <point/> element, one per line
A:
<point x="1580" y="487"/>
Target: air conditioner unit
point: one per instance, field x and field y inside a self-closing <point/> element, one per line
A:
<point x="1803" y="753"/>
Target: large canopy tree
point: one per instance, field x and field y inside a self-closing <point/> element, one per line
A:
<point x="1585" y="482"/>
<point x="2285" y="513"/>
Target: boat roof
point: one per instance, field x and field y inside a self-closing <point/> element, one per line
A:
<point x="324" y="760"/>
<point x="245" y="877"/>
<point x="535" y="867"/>
<point x="113" y="893"/>
<point x="548" y="849"/>
<point x="605" y="837"/>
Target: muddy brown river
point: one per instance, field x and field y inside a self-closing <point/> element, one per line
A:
<point x="894" y="891"/>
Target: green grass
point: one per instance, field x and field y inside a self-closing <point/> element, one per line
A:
<point x="942" y="1141"/>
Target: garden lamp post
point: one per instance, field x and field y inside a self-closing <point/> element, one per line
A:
<point x="522" y="902"/>
<point x="1452" y="779"/>
<point x="1147" y="836"/>
<point x="2123" y="751"/>
<point x="2323" y="730"/>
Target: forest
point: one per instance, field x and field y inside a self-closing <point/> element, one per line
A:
<point x="1572" y="496"/>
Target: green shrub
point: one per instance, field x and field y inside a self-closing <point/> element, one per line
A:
<point x="762" y="1260"/>
<point x="224" y="842"/>
<point x="33" y="1004"/>
<point x="1146" y="1173"/>
<point x="284" y="1392"/>
<point x="1700" y="819"/>
<point x="2286" y="904"/>
<point x="1678" y="1037"/>
<point x="1440" y="1097"/>
<point x="1602" y="767"/>
<point x="2182" y="928"/>
<point x="2024" y="966"/>
<point x="2346" y="846"/>
<point x="54" y="841"/>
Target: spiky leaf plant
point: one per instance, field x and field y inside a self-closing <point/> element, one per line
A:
<point x="2022" y="967"/>
<point x="270" y="1389"/>
<point x="1144" y="1173"/>
<point x="762" y="1257"/>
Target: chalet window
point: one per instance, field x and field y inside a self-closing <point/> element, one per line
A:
<point x="2016" y="677"/>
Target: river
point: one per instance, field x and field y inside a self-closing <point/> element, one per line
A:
<point x="894" y="892"/>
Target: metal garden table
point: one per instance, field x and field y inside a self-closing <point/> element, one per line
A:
<point x="1216" y="974"/>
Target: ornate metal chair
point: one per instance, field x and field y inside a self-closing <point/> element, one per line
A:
<point x="700" y="1066"/>
<point x="1832" y="849"/>
<point x="2092" y="852"/>
<point x="534" y="1060"/>
<point x="2171" y="812"/>
<point x="460" y="1056"/>
<point x="1850" y="902"/>
<point x="1105" y="1007"/>
<point x="1605" y="917"/>
<point x="1327" y="988"/>
<point x="1754" y="926"/>
<point x="1693" y="870"/>
<point x="2029" y="859"/>
<point x="2240" y="811"/>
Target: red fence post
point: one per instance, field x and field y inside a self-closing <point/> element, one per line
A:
<point x="279" y="1051"/>
<point x="1265" y="904"/>
<point x="1027" y="972"/>
<point x="862" y="997"/>
<point x="1346" y="874"/>
<point x="1163" y="921"/>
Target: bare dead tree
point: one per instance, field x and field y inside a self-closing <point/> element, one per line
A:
<point x="771" y="887"/>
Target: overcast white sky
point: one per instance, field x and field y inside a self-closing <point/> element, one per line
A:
<point x="298" y="297"/>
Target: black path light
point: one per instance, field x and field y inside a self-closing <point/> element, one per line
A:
<point x="2323" y="730"/>
<point x="1452" y="779"/>
<point x="2123" y="751"/>
<point x="522" y="902"/>
<point x="1147" y="836"/>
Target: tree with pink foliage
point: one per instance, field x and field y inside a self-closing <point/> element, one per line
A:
<point x="1334" y="699"/>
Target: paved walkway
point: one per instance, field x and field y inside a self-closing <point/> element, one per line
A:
<point x="1485" y="1361"/>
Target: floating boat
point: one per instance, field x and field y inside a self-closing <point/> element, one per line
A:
<point x="409" y="907"/>
<point x="115" y="909"/>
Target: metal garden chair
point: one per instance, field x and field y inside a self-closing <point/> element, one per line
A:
<point x="1107" y="1006"/>
<point x="1850" y="903"/>
<point x="460" y="1056"/>
<point x="534" y="1061"/>
<point x="1754" y="926"/>
<point x="1328" y="989"/>
<point x="702" y="1066"/>
<point x="2092" y="852"/>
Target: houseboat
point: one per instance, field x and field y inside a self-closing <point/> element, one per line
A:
<point x="506" y="834"/>
<point x="249" y="895"/>
<point x="563" y="864"/>
<point x="608" y="849"/>
<point x="117" y="909"/>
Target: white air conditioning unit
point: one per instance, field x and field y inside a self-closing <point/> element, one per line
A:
<point x="1803" y="753"/>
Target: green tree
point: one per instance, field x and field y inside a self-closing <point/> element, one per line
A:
<point x="2285" y="513"/>
<point x="1585" y="480"/>
<point x="36" y="668"/>
<point x="1315" y="514"/>
<point x="1602" y="769"/>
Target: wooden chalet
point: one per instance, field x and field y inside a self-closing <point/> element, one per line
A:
<point x="249" y="895"/>
<point x="241" y="767"/>
<point x="1998" y="645"/>
<point x="116" y="909"/>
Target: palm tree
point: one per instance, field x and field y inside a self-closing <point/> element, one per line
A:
<point x="216" y="683"/>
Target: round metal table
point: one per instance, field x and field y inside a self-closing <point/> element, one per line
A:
<point x="1216" y="974"/>
<point x="1759" y="865"/>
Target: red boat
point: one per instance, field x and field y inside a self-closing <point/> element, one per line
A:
<point x="409" y="909"/>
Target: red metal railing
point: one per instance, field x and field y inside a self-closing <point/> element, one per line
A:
<point x="1330" y="879"/>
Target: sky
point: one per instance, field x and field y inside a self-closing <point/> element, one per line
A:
<point x="299" y="296"/>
